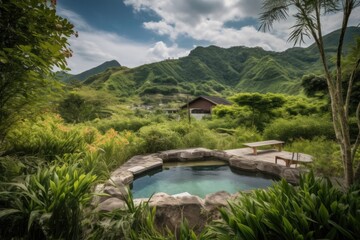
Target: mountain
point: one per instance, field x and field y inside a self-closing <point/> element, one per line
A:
<point x="86" y="74"/>
<point x="218" y="71"/>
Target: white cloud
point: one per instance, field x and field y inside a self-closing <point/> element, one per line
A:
<point x="161" y="51"/>
<point x="206" y="20"/>
<point x="93" y="47"/>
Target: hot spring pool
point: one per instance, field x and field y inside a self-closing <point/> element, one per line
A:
<point x="198" y="178"/>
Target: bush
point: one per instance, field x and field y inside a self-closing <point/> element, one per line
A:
<point x="122" y="123"/>
<point x="75" y="109"/>
<point x="326" y="155"/>
<point x="158" y="138"/>
<point x="314" y="210"/>
<point x="244" y="135"/>
<point x="299" y="127"/>
<point x="49" y="204"/>
<point x="46" y="138"/>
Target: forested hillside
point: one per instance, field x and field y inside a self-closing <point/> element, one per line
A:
<point x="218" y="71"/>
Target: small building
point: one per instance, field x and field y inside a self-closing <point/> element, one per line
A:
<point x="202" y="105"/>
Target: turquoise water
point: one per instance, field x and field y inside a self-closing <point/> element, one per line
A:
<point x="198" y="180"/>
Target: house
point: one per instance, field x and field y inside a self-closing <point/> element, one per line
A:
<point x="202" y="105"/>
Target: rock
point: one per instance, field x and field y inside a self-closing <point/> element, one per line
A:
<point x="215" y="200"/>
<point x="291" y="175"/>
<point x="181" y="194"/>
<point x="271" y="168"/>
<point x="243" y="164"/>
<point x="111" y="204"/>
<point x="122" y="177"/>
<point x="170" y="211"/>
<point x="136" y="170"/>
<point x="117" y="192"/>
<point x="221" y="155"/>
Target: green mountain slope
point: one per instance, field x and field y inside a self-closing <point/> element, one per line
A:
<point x="88" y="73"/>
<point x="217" y="71"/>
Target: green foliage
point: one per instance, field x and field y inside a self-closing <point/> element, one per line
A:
<point x="259" y="102"/>
<point x="314" y="210"/>
<point x="93" y="71"/>
<point x="305" y="127"/>
<point x="76" y="109"/>
<point x="296" y="105"/>
<point x="47" y="204"/>
<point x="45" y="138"/>
<point x="158" y="138"/>
<point x="326" y="155"/>
<point x="33" y="40"/>
<point x="261" y="106"/>
<point x="314" y="86"/>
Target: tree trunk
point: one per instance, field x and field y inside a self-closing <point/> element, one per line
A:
<point x="341" y="127"/>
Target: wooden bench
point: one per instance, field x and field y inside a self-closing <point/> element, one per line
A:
<point x="274" y="143"/>
<point x="294" y="158"/>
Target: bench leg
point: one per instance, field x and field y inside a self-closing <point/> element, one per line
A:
<point x="288" y="163"/>
<point x="254" y="150"/>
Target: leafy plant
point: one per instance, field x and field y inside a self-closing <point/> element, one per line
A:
<point x="315" y="209"/>
<point x="33" y="41"/>
<point x="47" y="204"/>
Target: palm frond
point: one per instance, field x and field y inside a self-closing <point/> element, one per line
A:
<point x="273" y="10"/>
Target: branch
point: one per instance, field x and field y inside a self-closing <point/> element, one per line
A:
<point x="356" y="145"/>
<point x="348" y="94"/>
<point x="357" y="142"/>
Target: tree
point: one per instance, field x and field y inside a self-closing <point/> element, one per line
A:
<point x="314" y="86"/>
<point x="308" y="15"/>
<point x="33" y="41"/>
<point x="76" y="109"/>
<point x="260" y="104"/>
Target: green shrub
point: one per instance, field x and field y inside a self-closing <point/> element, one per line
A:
<point x="244" y="135"/>
<point x="314" y="210"/>
<point x="75" y="109"/>
<point x="326" y="155"/>
<point x="158" y="138"/>
<point x="304" y="127"/>
<point x="200" y="137"/>
<point x="122" y="123"/>
<point x="49" y="204"/>
<point x="46" y="138"/>
<point x="222" y="123"/>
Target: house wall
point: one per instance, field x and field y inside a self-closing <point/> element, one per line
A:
<point x="202" y="103"/>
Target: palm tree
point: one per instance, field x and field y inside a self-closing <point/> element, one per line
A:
<point x="308" y="17"/>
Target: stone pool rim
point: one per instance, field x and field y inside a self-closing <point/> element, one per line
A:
<point x="171" y="209"/>
<point x="140" y="164"/>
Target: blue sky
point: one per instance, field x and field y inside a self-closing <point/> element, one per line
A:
<point x="136" y="32"/>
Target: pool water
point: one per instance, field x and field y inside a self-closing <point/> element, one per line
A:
<point x="198" y="180"/>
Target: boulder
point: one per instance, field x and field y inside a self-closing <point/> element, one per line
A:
<point x="291" y="175"/>
<point x="111" y="204"/>
<point x="270" y="168"/>
<point x="243" y="164"/>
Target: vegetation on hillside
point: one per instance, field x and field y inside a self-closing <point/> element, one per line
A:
<point x="217" y="71"/>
